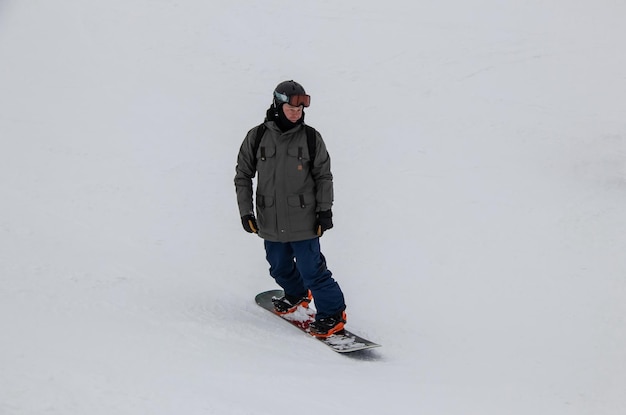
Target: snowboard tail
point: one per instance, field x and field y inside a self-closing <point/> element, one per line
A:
<point x="341" y="342"/>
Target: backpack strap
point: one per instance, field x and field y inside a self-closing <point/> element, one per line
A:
<point x="257" y="141"/>
<point x="310" y="142"/>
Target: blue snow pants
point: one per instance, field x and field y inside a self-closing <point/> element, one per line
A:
<point x="298" y="266"/>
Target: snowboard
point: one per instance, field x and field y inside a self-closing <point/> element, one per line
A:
<point x="342" y="342"/>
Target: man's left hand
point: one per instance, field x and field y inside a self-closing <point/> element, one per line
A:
<point x="324" y="222"/>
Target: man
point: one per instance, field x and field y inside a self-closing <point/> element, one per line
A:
<point x="294" y="196"/>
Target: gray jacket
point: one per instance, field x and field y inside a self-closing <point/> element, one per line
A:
<point x="289" y="190"/>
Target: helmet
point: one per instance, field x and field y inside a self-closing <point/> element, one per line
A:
<point x="290" y="88"/>
<point x="291" y="92"/>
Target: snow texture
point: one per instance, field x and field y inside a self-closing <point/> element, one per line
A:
<point x="479" y="154"/>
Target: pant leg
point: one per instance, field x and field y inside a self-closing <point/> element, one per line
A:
<point x="283" y="268"/>
<point x="329" y="300"/>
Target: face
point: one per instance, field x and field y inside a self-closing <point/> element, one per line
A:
<point x="292" y="113"/>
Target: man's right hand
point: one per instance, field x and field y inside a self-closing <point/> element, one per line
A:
<point x="249" y="223"/>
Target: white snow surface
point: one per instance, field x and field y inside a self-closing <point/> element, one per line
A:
<point x="479" y="154"/>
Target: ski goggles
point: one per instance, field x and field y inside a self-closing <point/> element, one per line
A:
<point x="293" y="100"/>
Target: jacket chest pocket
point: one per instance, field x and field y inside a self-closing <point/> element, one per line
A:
<point x="264" y="153"/>
<point x="265" y="159"/>
<point x="298" y="160"/>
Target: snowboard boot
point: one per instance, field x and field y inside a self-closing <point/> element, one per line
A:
<point x="288" y="304"/>
<point x="325" y="327"/>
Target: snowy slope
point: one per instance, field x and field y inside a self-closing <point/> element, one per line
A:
<point x="479" y="153"/>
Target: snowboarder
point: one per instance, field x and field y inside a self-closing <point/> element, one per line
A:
<point x="294" y="197"/>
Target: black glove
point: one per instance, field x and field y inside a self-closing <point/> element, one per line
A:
<point x="249" y="223"/>
<point x="324" y="222"/>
